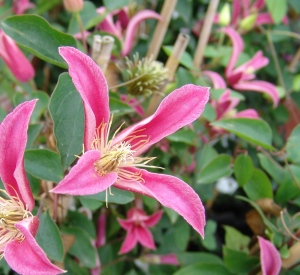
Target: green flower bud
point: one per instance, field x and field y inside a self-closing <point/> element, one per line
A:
<point x="144" y="76"/>
<point x="224" y="15"/>
<point x="248" y="22"/>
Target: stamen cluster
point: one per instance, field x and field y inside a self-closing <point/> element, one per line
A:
<point x="144" y="76"/>
<point x="12" y="211"/>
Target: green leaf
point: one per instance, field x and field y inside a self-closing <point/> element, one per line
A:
<point x="43" y="164"/>
<point x="235" y="240"/>
<point x="256" y="131"/>
<point x="82" y="248"/>
<point x="185" y="60"/>
<point x="209" y="113"/>
<point x="119" y="108"/>
<point x="188" y="258"/>
<point x="182" y="233"/>
<point x="209" y="242"/>
<point x="239" y="262"/>
<point x="173" y="215"/>
<point x="292" y="146"/>
<point x="66" y="109"/>
<point x="243" y="169"/>
<point x="36" y="35"/>
<point x="295" y="4"/>
<point x="205" y="156"/>
<point x="114" y="5"/>
<point x="72" y="265"/>
<point x="46" y="5"/>
<point x="259" y="186"/>
<point x="204" y="268"/>
<point x="278" y="9"/>
<point x="288" y="188"/>
<point x="80" y="220"/>
<point x="89" y="18"/>
<point x="119" y="196"/>
<point x="216" y="94"/>
<point x="33" y="131"/>
<point x="219" y="167"/>
<point x="41" y="104"/>
<point x="272" y="167"/>
<point x="48" y="237"/>
<point x="186" y="136"/>
<point x="90" y="204"/>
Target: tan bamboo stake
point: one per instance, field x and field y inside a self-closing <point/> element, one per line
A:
<point x="172" y="65"/>
<point x="101" y="50"/>
<point x="178" y="50"/>
<point x="161" y="28"/>
<point x="204" y="35"/>
<point x="96" y="47"/>
<point x="106" y="48"/>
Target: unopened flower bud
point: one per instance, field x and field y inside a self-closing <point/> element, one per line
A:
<point x="224" y="16"/>
<point x="73" y="5"/>
<point x="144" y="76"/>
<point x="248" y="22"/>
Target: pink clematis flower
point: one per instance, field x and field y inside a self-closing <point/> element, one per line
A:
<point x="136" y="225"/>
<point x="125" y="27"/>
<point x="117" y="161"/>
<point x="21" y="6"/>
<point x="15" y="59"/>
<point x="242" y="78"/>
<point x="269" y="257"/>
<point x="225" y="105"/>
<point x="18" y="226"/>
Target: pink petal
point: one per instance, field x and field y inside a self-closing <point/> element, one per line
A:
<point x="257" y="62"/>
<point x="237" y="48"/>
<point x="132" y="26"/>
<point x="248" y="113"/>
<point x="264" y="18"/>
<point x="124" y="17"/>
<point x="153" y="219"/>
<point x="259" y="4"/>
<point x="27" y="257"/>
<point x="236" y="11"/>
<point x="80" y="36"/>
<point x="260" y="86"/>
<point x="108" y="25"/>
<point x="20" y="6"/>
<point x="15" y="59"/>
<point x="91" y="84"/>
<point x="144" y="237"/>
<point x="178" y="109"/>
<point x="269" y="257"/>
<point x="13" y="139"/>
<point x="173" y="193"/>
<point x="134" y="103"/>
<point x="126" y="224"/>
<point x="101" y="229"/>
<point x="217" y="80"/>
<point x="129" y="242"/>
<point x="83" y="179"/>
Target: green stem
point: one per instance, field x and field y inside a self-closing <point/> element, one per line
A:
<point x="276" y="62"/>
<point x="79" y="22"/>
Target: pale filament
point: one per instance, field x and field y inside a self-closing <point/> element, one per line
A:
<point x="12" y="211"/>
<point x="115" y="157"/>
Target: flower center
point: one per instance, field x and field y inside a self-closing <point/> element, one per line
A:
<point x="12" y="211"/>
<point x="118" y="157"/>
